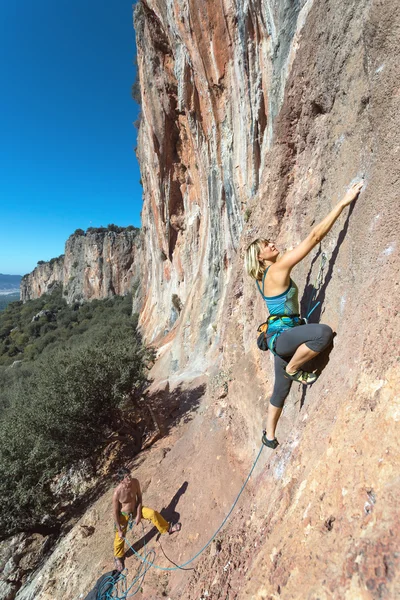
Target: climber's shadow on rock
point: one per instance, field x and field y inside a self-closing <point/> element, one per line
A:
<point x="169" y="513"/>
<point x="307" y="297"/>
<point x="320" y="362"/>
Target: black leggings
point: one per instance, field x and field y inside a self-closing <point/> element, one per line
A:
<point x="316" y="336"/>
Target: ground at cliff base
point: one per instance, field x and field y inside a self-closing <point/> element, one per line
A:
<point x="272" y="544"/>
<point x="188" y="476"/>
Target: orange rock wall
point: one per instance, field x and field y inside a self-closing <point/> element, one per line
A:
<point x="256" y="117"/>
<point x="209" y="94"/>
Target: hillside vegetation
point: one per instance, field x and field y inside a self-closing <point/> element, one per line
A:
<point x="78" y="363"/>
<point x="26" y="330"/>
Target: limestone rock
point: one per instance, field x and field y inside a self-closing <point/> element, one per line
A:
<point x="257" y="116"/>
<point x="7" y="590"/>
<point x="50" y="316"/>
<point x="19" y="556"/>
<point x="212" y="83"/>
<point x="95" y="265"/>
<point x="73" y="483"/>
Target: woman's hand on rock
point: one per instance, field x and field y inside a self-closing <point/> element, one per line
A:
<point x="352" y="193"/>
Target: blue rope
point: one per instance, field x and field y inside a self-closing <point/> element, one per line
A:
<point x="111" y="585"/>
<point x="147" y="564"/>
<point x="312" y="310"/>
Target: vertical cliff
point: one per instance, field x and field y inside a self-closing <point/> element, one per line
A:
<point x="256" y="116"/>
<point x="212" y="80"/>
<point x="97" y="264"/>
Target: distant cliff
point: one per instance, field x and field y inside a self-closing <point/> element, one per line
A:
<point x="96" y="264"/>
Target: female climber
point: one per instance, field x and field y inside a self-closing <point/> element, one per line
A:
<point x="292" y="342"/>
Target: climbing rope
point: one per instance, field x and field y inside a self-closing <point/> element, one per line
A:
<point x="118" y="590"/>
<point x="317" y="285"/>
<point x="174" y="563"/>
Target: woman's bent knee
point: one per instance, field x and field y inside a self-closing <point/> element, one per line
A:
<point x="323" y="336"/>
<point x="326" y="335"/>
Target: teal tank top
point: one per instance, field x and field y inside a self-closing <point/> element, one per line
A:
<point x="285" y="304"/>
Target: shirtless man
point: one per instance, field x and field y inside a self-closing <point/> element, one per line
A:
<point x="127" y="504"/>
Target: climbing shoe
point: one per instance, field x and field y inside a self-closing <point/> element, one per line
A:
<point x="301" y="376"/>
<point x="174" y="527"/>
<point x="269" y="443"/>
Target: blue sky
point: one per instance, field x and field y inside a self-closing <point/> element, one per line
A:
<point x="66" y="125"/>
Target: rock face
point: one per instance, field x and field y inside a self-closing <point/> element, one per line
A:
<point x="256" y="116"/>
<point x="95" y="265"/>
<point x="210" y="92"/>
<point x="19" y="556"/>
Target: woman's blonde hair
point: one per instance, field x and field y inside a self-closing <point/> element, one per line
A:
<point x="253" y="265"/>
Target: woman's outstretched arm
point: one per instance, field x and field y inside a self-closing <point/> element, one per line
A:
<point x="293" y="257"/>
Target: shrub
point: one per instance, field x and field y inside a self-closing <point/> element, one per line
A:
<point x="8" y="299"/>
<point x="176" y="302"/>
<point x="96" y="230"/>
<point x="114" y="228"/>
<point x="136" y="92"/>
<point x="57" y="258"/>
<point x="59" y="322"/>
<point x="57" y="413"/>
<point x="247" y="215"/>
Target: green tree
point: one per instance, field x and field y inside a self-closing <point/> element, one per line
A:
<point x="56" y="416"/>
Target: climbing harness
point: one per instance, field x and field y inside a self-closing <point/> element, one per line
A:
<point x="287" y="321"/>
<point x="118" y="589"/>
